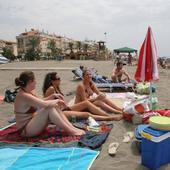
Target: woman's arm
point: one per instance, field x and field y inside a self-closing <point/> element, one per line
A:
<point x="101" y="95"/>
<point x="51" y="94"/>
<point x="95" y="89"/>
<point x="37" y="102"/>
<point x="81" y="92"/>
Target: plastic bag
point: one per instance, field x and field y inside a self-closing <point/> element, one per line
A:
<point x="137" y="107"/>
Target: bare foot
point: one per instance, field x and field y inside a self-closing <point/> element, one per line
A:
<point x="76" y="132"/>
<point x="117" y="117"/>
<point x="79" y="132"/>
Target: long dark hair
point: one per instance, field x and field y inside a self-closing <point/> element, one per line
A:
<point x="48" y="82"/>
<point x="24" y="78"/>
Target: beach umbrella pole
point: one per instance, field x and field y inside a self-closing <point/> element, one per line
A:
<point x="150" y="95"/>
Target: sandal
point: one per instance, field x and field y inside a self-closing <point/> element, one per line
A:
<point x="112" y="150"/>
<point x="128" y="137"/>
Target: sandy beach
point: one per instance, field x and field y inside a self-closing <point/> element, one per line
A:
<point x="127" y="156"/>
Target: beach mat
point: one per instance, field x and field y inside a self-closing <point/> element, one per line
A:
<point x="49" y="137"/>
<point x="29" y="158"/>
<point x="52" y="138"/>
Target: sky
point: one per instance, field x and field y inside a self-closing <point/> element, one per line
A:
<point x="125" y="22"/>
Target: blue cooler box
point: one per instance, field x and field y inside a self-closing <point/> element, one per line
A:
<point x="155" y="148"/>
<point x="138" y="130"/>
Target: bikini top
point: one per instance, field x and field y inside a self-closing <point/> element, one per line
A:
<point x="88" y="90"/>
<point x="57" y="91"/>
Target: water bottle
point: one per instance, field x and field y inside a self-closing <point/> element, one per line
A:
<point x="154" y="101"/>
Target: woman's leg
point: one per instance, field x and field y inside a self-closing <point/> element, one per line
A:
<point x="111" y="104"/>
<point x="77" y="114"/>
<point x="85" y="115"/>
<point x="106" y="107"/>
<point x="86" y="105"/>
<point x="43" y="117"/>
<point x="107" y="118"/>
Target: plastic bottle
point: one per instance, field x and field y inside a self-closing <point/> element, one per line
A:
<point x="154" y="101"/>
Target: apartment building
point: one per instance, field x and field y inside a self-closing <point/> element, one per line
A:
<point x="89" y="48"/>
<point x="9" y="44"/>
<point x="43" y="40"/>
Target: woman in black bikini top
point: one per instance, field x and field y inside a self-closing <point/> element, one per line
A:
<point x="78" y="110"/>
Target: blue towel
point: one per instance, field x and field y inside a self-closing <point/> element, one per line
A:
<point x="30" y="158"/>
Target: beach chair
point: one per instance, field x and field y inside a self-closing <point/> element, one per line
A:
<point x="95" y="77"/>
<point x="102" y="82"/>
<point x="77" y="74"/>
<point x="112" y="86"/>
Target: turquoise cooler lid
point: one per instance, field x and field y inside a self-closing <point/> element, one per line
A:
<point x="154" y="132"/>
<point x="155" y="135"/>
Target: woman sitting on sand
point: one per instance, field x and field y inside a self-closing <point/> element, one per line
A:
<point x="52" y="86"/>
<point x="34" y="114"/>
<point x="88" y="91"/>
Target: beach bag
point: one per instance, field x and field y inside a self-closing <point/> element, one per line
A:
<point x="135" y="108"/>
<point x="138" y="107"/>
<point x="144" y="88"/>
<point x="10" y="95"/>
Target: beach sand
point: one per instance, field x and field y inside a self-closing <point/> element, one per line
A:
<point x="127" y="156"/>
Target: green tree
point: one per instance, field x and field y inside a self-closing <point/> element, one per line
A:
<point x="78" y="46"/>
<point x="70" y="44"/>
<point x="7" y="52"/>
<point x="34" y="42"/>
<point x="85" y="47"/>
<point x="72" y="54"/>
<point x="58" y="51"/>
<point x="33" y="53"/>
<point x="52" y="46"/>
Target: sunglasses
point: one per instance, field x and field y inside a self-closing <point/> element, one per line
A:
<point x="57" y="78"/>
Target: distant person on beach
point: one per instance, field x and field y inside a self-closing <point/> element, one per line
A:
<point x="87" y="91"/>
<point x="162" y="62"/>
<point x="82" y="109"/>
<point x="34" y="114"/>
<point x="118" y="73"/>
<point x="130" y="58"/>
<point x="117" y="58"/>
<point x="81" y="68"/>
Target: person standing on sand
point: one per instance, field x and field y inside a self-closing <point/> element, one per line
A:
<point x="34" y="114"/>
<point x="130" y="58"/>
